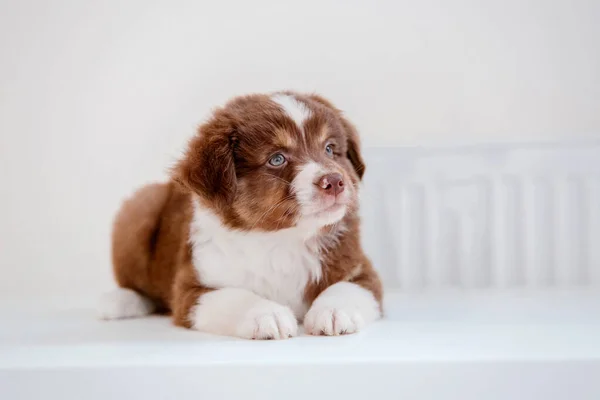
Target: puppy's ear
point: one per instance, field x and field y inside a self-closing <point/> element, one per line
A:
<point x="207" y="167"/>
<point x="354" y="153"/>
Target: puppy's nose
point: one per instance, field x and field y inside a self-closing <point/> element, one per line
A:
<point x="332" y="184"/>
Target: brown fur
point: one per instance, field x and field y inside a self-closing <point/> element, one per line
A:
<point x="225" y="167"/>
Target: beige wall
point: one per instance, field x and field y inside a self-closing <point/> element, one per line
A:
<point x="406" y="71"/>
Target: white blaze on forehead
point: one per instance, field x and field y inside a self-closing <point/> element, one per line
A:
<point x="295" y="109"/>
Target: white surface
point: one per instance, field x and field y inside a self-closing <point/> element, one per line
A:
<point x="98" y="97"/>
<point x="441" y="327"/>
<point x="451" y="344"/>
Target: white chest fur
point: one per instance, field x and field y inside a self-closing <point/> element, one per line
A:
<point x="274" y="265"/>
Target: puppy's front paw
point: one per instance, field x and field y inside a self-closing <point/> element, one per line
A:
<point x="340" y="309"/>
<point x="330" y="321"/>
<point x="268" y="320"/>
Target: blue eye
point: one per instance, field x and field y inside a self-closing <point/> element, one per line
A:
<point x="329" y="150"/>
<point x="277" y="160"/>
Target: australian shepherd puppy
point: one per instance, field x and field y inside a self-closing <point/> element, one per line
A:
<point x="257" y="230"/>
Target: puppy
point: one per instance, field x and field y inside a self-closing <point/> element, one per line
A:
<point x="257" y="229"/>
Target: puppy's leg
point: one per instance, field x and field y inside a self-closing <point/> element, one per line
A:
<point x="124" y="303"/>
<point x="241" y="313"/>
<point x="232" y="312"/>
<point x="345" y="307"/>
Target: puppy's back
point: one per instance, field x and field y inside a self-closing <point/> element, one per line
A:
<point x="135" y="232"/>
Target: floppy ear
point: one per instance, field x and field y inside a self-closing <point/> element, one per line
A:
<point x="353" y="153"/>
<point x="207" y="167"/>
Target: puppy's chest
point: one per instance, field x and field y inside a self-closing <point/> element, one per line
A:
<point x="275" y="266"/>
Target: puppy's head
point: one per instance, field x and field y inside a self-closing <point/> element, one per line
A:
<point x="270" y="162"/>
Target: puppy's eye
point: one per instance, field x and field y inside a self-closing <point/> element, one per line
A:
<point x="277" y="160"/>
<point x="329" y="150"/>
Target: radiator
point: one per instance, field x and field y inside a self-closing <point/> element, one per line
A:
<point x="484" y="217"/>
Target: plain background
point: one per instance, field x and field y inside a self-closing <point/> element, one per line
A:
<point x="98" y="97"/>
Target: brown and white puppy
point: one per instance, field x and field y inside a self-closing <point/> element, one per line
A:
<point x="257" y="230"/>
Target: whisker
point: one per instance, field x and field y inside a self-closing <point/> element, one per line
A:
<point x="272" y="208"/>
<point x="278" y="178"/>
<point x="285" y="212"/>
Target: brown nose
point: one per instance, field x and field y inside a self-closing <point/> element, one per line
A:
<point x="332" y="184"/>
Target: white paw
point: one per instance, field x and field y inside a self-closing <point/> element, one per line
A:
<point x="241" y="313"/>
<point x="325" y="320"/>
<point x="267" y="320"/>
<point x="341" y="309"/>
<point x="124" y="303"/>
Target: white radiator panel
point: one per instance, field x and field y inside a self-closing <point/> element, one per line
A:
<point x="481" y="217"/>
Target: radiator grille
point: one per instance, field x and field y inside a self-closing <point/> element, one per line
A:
<point x="484" y="217"/>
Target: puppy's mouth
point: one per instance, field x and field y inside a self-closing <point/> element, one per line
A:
<point x="335" y="207"/>
<point x="331" y="209"/>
